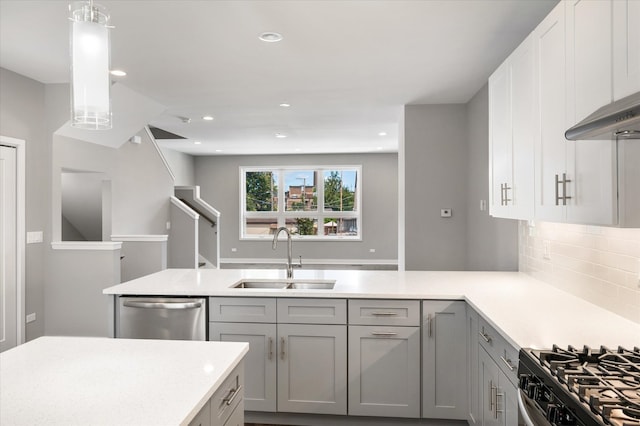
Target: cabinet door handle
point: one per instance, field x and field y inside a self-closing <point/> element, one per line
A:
<point x="502" y="194"/>
<point x="282" y="348"/>
<point x="232" y="395"/>
<point x="429" y="326"/>
<point x="565" y="181"/>
<point x="506" y="194"/>
<point x="557" y="190"/>
<point x="491" y="387"/>
<point x="383" y="333"/>
<point x="485" y="336"/>
<point x="384" y="314"/>
<point x="498" y="395"/>
<point x="270" y="348"/>
<point x="508" y="363"/>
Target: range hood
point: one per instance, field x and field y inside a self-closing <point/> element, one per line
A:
<point x="620" y="119"/>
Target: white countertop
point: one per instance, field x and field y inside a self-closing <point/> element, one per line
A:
<point x="101" y="381"/>
<point x="528" y="312"/>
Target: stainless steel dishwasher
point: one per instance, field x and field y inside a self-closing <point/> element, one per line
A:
<point x="183" y="318"/>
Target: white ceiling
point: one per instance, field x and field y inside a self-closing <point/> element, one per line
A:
<point x="346" y="66"/>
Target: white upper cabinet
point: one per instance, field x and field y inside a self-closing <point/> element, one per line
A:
<point x="589" y="56"/>
<point x="512" y="105"/>
<point x="551" y="146"/>
<point x="581" y="57"/>
<point x="575" y="182"/>
<point x="626" y="48"/>
<point x="589" y="189"/>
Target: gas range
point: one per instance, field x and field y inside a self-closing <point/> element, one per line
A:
<point x="581" y="386"/>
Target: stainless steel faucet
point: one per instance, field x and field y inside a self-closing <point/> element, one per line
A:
<point x="289" y="245"/>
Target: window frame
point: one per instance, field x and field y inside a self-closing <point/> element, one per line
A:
<point x="281" y="215"/>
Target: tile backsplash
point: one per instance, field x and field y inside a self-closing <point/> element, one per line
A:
<point x="598" y="264"/>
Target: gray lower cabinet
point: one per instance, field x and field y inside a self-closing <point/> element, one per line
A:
<point x="250" y="319"/>
<point x="474" y="416"/>
<point x="498" y="372"/>
<point x="225" y="407"/>
<point x="297" y="360"/>
<point x="384" y="363"/>
<point x="384" y="358"/>
<point x="260" y="361"/>
<point x="312" y="368"/>
<point x="444" y="359"/>
<point x="499" y="403"/>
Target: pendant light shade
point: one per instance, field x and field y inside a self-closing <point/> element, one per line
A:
<point x="90" y="63"/>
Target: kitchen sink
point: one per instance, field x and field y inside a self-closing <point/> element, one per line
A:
<point x="304" y="285"/>
<point x="281" y="284"/>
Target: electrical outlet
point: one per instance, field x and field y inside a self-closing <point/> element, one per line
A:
<point x="546" y="249"/>
<point x="31" y="317"/>
<point x="372" y="250"/>
<point x="168" y="225"/>
<point x="483" y="205"/>
<point x="233" y="249"/>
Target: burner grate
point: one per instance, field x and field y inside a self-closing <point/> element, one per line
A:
<point x="606" y="381"/>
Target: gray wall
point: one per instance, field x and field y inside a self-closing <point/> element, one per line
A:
<point x="142" y="186"/>
<point x="435" y="147"/>
<point x="75" y="304"/>
<point x="142" y="258"/>
<point x="182" y="165"/>
<point x="218" y="177"/>
<point x="22" y="116"/>
<point x="183" y="239"/>
<point x="492" y="244"/>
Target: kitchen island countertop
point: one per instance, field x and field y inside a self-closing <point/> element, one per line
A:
<point x="526" y="311"/>
<point x="103" y="381"/>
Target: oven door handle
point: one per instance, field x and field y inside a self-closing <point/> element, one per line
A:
<point x="528" y="413"/>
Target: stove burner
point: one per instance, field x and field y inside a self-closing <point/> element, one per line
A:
<point x="607" y="382"/>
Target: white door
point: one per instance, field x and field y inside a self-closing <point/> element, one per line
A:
<point x="8" y="270"/>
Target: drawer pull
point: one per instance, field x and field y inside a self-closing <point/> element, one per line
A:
<point x="270" y="348"/>
<point x="282" y="348"/>
<point x="429" y="322"/>
<point x="485" y="336"/>
<point x="383" y="333"/>
<point x="508" y="363"/>
<point x="232" y="395"/>
<point x="384" y="314"/>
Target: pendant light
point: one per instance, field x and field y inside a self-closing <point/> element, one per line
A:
<point x="90" y="62"/>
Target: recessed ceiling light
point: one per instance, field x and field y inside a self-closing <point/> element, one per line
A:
<point x="207" y="118"/>
<point x="118" y="73"/>
<point x="379" y="148"/>
<point x="382" y="134"/>
<point x="280" y="135"/>
<point x="270" y="37"/>
<point x="285" y="105"/>
<point x="197" y="142"/>
<point x="297" y="150"/>
<point x="218" y="150"/>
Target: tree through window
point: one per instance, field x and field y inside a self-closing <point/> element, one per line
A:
<point x="312" y="202"/>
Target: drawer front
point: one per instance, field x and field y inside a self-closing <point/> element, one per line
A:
<point x="501" y="351"/>
<point x="312" y="311"/>
<point x="384" y="312"/>
<point x="242" y="309"/>
<point x="228" y="396"/>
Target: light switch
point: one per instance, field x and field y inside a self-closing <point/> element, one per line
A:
<point x="34" y="237"/>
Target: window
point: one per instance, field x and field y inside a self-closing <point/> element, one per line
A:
<point x="314" y="203"/>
